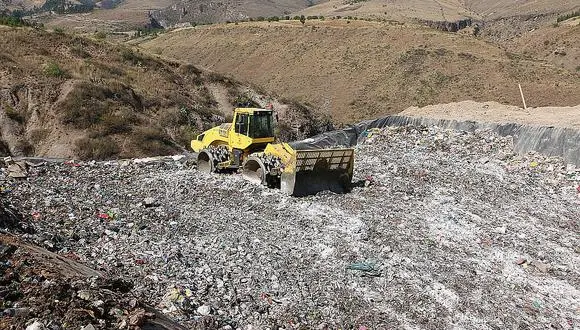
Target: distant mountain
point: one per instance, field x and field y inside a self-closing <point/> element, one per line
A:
<point x="439" y="10"/>
<point x="56" y="6"/>
<point x="212" y="11"/>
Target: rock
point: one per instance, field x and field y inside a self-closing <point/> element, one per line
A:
<point x="500" y="230"/>
<point x="149" y="202"/>
<point x="542" y="267"/>
<point x="204" y="310"/>
<point x="88" y="327"/>
<point x="36" y="325"/>
<point x="84" y="295"/>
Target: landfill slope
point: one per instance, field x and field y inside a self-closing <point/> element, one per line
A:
<point x="442" y="229"/>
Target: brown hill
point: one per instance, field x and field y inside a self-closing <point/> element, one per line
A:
<point x="67" y="96"/>
<point x="439" y="10"/>
<point x="493" y="9"/>
<point x="354" y="69"/>
<point x="400" y="10"/>
<point x="211" y="11"/>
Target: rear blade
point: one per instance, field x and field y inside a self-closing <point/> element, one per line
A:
<point x="313" y="171"/>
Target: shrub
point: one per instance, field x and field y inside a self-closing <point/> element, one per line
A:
<point x="78" y="51"/>
<point x="53" y="70"/>
<point x="39" y="134"/>
<point x="152" y="141"/>
<point x="100" y="35"/>
<point x="96" y="148"/>
<point x="113" y="123"/>
<point x="129" y="55"/>
<point x="12" y="21"/>
<point x="568" y="16"/>
<point x="14" y="114"/>
<point x="58" y="30"/>
<point x="24" y="147"/>
<point x="4" y="149"/>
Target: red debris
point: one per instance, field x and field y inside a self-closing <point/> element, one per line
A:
<point x="520" y="261"/>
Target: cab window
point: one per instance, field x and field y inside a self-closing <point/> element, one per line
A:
<point x="261" y="125"/>
<point x="242" y="124"/>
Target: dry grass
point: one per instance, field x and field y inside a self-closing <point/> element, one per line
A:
<point x="366" y="69"/>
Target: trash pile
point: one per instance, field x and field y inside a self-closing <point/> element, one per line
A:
<point x="442" y="229"/>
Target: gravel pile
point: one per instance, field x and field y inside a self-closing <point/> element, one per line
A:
<point x="442" y="229"/>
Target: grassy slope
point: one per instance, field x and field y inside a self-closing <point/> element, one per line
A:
<point x="362" y="70"/>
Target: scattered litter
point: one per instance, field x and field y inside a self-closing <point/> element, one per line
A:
<point x="448" y="210"/>
<point x="521" y="261"/>
<point x="362" y="266"/>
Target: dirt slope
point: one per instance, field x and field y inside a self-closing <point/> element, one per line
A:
<point x="67" y="96"/>
<point x="355" y="70"/>
<point x="493" y="112"/>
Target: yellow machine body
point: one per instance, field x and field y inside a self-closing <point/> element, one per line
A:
<point x="228" y="135"/>
<point x="247" y="143"/>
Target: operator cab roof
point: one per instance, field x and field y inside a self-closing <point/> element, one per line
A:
<point x="251" y="110"/>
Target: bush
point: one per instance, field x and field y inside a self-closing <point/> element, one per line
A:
<point x="129" y="56"/>
<point x="568" y="16"/>
<point x="13" y="21"/>
<point x="39" y="134"/>
<point x="14" y="114"/>
<point x="100" y="35"/>
<point x="152" y="141"/>
<point x="58" y="30"/>
<point x="96" y="148"/>
<point x="112" y="123"/>
<point x="78" y="51"/>
<point x="53" y="70"/>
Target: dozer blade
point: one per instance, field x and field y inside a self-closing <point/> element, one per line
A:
<point x="313" y="171"/>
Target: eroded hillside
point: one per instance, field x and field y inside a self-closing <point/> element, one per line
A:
<point x="69" y="96"/>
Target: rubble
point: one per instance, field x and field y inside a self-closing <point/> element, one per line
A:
<point x="427" y="238"/>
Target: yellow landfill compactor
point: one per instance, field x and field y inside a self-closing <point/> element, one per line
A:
<point x="248" y="144"/>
